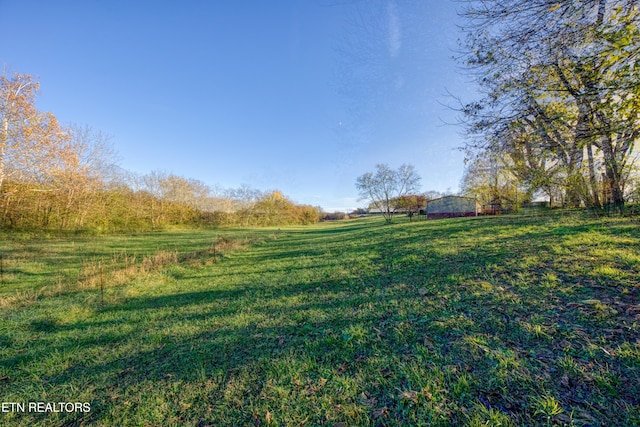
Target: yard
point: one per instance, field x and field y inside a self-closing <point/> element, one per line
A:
<point x="528" y="320"/>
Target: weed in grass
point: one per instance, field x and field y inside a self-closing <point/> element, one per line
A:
<point x="481" y="416"/>
<point x="598" y="310"/>
<point x="461" y="389"/>
<point x="537" y="331"/>
<point x="607" y="273"/>
<point x="546" y="407"/>
<point x="550" y="280"/>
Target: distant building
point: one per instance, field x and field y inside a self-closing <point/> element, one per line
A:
<point x="378" y="211"/>
<point x="452" y="207"/>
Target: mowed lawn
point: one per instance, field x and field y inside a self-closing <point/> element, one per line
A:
<point x="503" y="321"/>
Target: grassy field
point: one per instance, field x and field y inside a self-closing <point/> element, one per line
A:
<point x="503" y="321"/>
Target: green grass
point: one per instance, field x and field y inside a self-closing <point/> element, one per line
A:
<point x="503" y="321"/>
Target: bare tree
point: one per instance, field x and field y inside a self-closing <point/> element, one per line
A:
<point x="386" y="185"/>
<point x="82" y="181"/>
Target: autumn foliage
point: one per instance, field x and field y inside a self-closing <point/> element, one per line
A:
<point x="67" y="178"/>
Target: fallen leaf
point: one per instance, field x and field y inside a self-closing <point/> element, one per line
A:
<point x="369" y="401"/>
<point x="256" y="419"/>
<point x="380" y="412"/>
<point x="409" y="395"/>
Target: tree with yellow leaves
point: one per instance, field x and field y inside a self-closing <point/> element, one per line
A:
<point x="32" y="143"/>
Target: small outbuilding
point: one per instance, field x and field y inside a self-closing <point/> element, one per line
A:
<point x="452" y="207"/>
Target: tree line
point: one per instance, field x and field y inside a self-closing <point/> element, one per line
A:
<point x="66" y="177"/>
<point x="559" y="99"/>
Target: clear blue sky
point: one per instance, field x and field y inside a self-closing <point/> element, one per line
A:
<point x="297" y="95"/>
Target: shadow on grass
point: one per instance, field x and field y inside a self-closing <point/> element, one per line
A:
<point x="432" y="331"/>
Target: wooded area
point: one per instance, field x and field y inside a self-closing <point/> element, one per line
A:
<point x="557" y="119"/>
<point x="67" y="178"/>
<point x="558" y="115"/>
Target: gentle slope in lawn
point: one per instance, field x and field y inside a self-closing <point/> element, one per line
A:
<point x="478" y="321"/>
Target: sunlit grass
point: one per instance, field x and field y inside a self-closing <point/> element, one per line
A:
<point x="481" y="321"/>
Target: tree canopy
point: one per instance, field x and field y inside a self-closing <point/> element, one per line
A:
<point x="559" y="84"/>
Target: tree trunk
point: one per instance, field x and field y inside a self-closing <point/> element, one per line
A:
<point x="575" y="179"/>
<point x="582" y="137"/>
<point x="3" y="146"/>
<point x="614" y="174"/>
<point x="593" y="181"/>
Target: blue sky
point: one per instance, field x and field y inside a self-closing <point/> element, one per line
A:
<point x="297" y="95"/>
